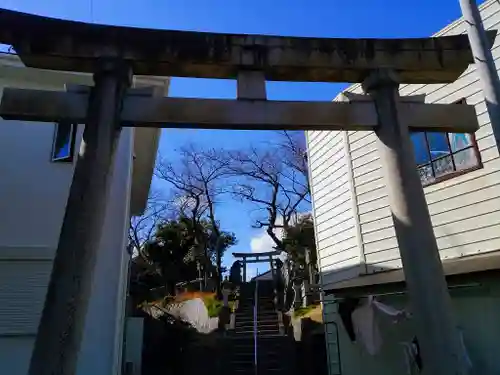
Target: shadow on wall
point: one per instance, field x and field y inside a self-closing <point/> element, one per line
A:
<point x="329" y="351"/>
<point x="476" y="304"/>
<point x="309" y="335"/>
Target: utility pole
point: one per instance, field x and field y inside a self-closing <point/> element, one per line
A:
<point x="484" y="63"/>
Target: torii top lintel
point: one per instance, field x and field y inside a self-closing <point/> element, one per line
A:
<point x="257" y="255"/>
<point x="49" y="43"/>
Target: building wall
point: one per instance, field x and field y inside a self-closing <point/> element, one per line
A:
<point x="465" y="210"/>
<point x="476" y="308"/>
<point x="338" y="247"/>
<point x="33" y="194"/>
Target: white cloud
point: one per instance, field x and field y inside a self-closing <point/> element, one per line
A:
<point x="261" y="243"/>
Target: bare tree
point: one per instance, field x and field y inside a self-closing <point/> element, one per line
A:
<point x="197" y="182"/>
<point x="142" y="228"/>
<point x="275" y="179"/>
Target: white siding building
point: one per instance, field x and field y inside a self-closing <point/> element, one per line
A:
<point x="354" y="228"/>
<point x="357" y="248"/>
<point x="35" y="175"/>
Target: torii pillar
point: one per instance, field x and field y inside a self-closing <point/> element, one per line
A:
<point x="244" y="270"/>
<point x="61" y="327"/>
<point x="430" y="301"/>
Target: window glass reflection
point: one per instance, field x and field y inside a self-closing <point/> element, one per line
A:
<point x="438" y="145"/>
<point x="438" y="155"/>
<point x="420" y="148"/>
<point x="459" y="141"/>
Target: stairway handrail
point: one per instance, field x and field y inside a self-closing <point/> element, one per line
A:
<point x="255" y="307"/>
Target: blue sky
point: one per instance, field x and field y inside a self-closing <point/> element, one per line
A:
<point x="321" y="18"/>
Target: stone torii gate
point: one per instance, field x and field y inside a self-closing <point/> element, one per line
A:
<point x="269" y="256"/>
<point x="114" y="54"/>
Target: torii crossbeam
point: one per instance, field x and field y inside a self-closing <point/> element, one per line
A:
<point x="113" y="54"/>
<point x="145" y="111"/>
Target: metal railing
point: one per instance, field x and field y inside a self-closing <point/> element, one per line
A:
<point x="255" y="332"/>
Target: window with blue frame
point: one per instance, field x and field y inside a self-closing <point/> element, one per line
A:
<point x="440" y="156"/>
<point x="64" y="142"/>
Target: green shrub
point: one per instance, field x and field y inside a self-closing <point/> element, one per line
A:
<point x="213" y="305"/>
<point x="301" y="311"/>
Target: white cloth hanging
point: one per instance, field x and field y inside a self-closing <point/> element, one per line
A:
<point x="398" y="315"/>
<point x="365" y="327"/>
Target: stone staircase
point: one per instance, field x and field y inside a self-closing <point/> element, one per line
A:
<point x="274" y="350"/>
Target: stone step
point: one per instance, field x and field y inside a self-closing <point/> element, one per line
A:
<point x="260" y="301"/>
<point x="263" y="355"/>
<point x="274" y="359"/>
<point x="261" y="367"/>
<point x="249" y="322"/>
<point x="250" y="348"/>
<point x="260" y="319"/>
<point x="262" y="364"/>
<point x="259" y="312"/>
<point x="262" y="334"/>
<point x="274" y="349"/>
<point x="264" y="316"/>
<point x="262" y="360"/>
<point x="266" y="323"/>
<point x="252" y="300"/>
<point x="273" y="342"/>
<point x="259" y="316"/>
<point x="268" y="333"/>
<point x="259" y="298"/>
<point x="250" y="314"/>
<point x="248" y="351"/>
<point x="259" y="308"/>
<point x="250" y="329"/>
<point x="279" y="340"/>
<point x="251" y="371"/>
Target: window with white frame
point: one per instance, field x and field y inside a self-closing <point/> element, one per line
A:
<point x="440" y="156"/>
